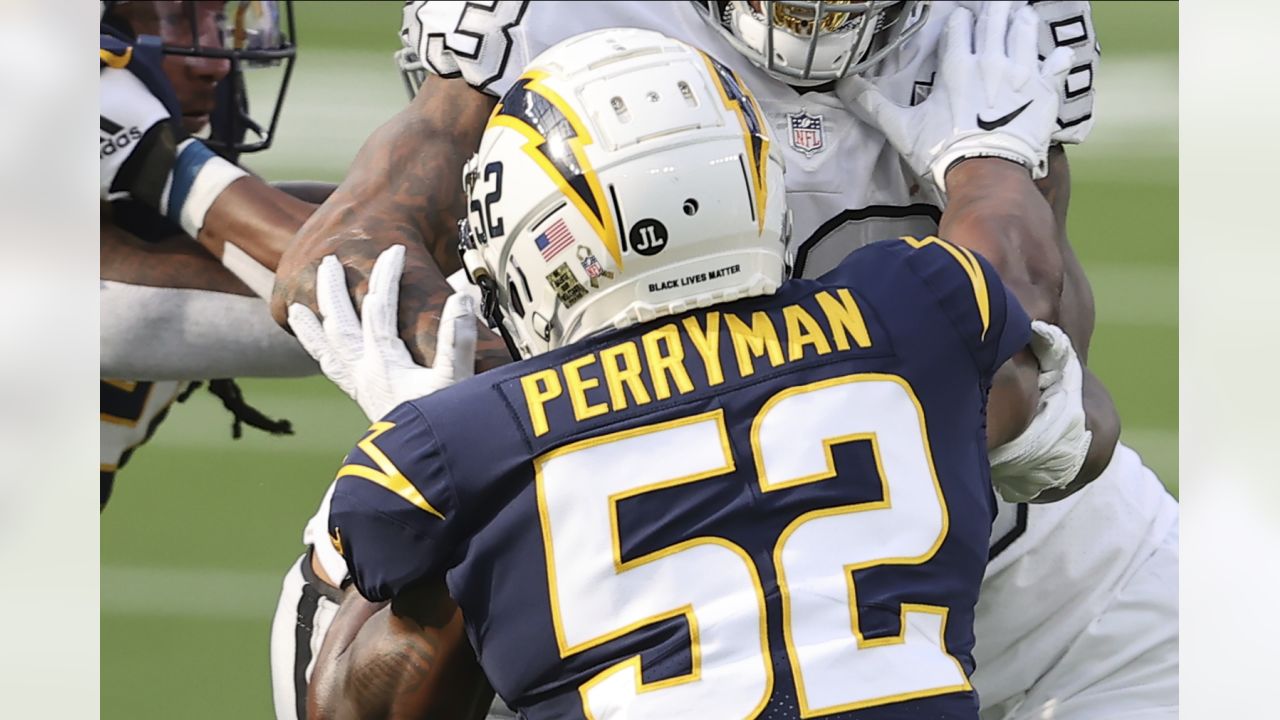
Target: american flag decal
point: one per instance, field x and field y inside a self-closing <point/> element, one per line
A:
<point x="554" y="239"/>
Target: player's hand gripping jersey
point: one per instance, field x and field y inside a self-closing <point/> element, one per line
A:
<point x="778" y="506"/>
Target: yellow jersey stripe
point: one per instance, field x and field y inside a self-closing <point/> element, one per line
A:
<point x="387" y="475"/>
<point x="113" y="60"/>
<point x="972" y="268"/>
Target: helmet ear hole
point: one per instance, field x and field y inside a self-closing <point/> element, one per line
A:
<point x="517" y="305"/>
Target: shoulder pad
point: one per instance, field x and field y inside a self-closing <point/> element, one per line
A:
<point x="1069" y="23"/>
<point x="471" y="40"/>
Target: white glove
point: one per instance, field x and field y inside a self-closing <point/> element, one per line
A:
<point x="1051" y="451"/>
<point x="365" y="356"/>
<point x="992" y="98"/>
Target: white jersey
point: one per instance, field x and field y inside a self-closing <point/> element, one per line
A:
<point x="846" y="186"/>
<point x="1053" y="566"/>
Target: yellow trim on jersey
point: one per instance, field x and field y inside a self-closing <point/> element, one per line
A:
<point x="884" y="503"/>
<point x="603" y="225"/>
<point x="335" y="539"/>
<point x="759" y="164"/>
<point x="130" y="386"/>
<point x="113" y="60"/>
<point x="695" y="650"/>
<point x="387" y="475"/>
<point x="972" y="268"/>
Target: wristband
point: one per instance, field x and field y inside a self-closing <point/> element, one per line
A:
<point x="199" y="177"/>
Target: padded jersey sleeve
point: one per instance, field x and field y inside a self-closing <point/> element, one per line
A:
<point x="988" y="319"/>
<point x="489" y="43"/>
<point x="143" y="60"/>
<point x="1069" y="23"/>
<point x="963" y="290"/>
<point x="393" y="509"/>
<point x="481" y="42"/>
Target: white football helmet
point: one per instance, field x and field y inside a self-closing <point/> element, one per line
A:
<point x="810" y="42"/>
<point x="623" y="177"/>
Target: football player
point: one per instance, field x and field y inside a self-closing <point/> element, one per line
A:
<point x="187" y="236"/>
<point x="700" y="473"/>
<point x="1054" y="625"/>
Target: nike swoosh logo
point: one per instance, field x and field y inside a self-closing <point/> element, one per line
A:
<point x="1003" y="120"/>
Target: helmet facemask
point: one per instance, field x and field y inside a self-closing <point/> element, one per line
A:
<point x="811" y="42"/>
<point x="252" y="34"/>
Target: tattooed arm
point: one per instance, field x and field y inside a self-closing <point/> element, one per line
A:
<point x="403" y="188"/>
<point x="405" y="659"/>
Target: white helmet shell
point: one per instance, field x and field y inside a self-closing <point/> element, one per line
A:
<point x="625" y="176"/>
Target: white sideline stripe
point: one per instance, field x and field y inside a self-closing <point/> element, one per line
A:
<point x="186" y="592"/>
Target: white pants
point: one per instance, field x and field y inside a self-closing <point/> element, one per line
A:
<point x="1082" y="621"/>
<point x="1124" y="665"/>
<point x="303" y="614"/>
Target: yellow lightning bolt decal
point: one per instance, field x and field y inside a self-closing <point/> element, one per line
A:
<point x="387" y="475"/>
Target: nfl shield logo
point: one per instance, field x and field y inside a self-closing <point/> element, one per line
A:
<point x="806" y="132"/>
<point x="593" y="267"/>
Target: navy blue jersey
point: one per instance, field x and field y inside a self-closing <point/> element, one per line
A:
<point x="777" y="506"/>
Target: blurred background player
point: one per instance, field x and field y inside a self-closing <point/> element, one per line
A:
<point x="692" y="444"/>
<point x="174" y="310"/>
<point x="1034" y="651"/>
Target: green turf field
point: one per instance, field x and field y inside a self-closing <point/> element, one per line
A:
<point x="201" y="528"/>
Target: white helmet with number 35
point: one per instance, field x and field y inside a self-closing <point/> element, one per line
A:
<point x="624" y="176"/>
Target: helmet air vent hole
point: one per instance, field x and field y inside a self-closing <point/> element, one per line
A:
<point x="620" y="109"/>
<point x="690" y="207"/>
<point x="687" y="93"/>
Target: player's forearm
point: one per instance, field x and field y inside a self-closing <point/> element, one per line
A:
<point x="172" y="263"/>
<point x="249" y="226"/>
<point x="257" y="218"/>
<point x="1076" y="310"/>
<point x="995" y="209"/>
<point x="325" y="691"/>
<point x="1011" y="403"/>
<point x="405" y="660"/>
<point x="402" y="189"/>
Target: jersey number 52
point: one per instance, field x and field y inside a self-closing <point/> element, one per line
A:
<point x="597" y="597"/>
